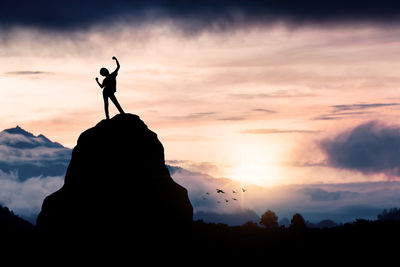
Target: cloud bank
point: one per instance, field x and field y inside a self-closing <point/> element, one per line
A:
<point x="31" y="168"/>
<point x="316" y="202"/>
<point x="372" y="147"/>
<point x="25" y="198"/>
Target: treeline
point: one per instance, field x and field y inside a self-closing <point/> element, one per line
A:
<point x="268" y="235"/>
<point x="270" y="221"/>
<point x="265" y="236"/>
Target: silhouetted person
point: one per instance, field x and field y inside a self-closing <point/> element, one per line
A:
<point x="110" y="87"/>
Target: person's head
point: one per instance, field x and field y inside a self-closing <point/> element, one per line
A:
<point x="104" y="72"/>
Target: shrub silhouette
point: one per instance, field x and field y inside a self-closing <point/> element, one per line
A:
<point x="250" y="224"/>
<point x="269" y="220"/>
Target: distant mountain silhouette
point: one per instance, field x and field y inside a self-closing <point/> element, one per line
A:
<point x="30" y="155"/>
<point x="11" y="223"/>
<point x="231" y="219"/>
<point x="31" y="141"/>
<point x="117" y="183"/>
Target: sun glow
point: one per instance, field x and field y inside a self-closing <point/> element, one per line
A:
<point x="255" y="165"/>
<point x="255" y="173"/>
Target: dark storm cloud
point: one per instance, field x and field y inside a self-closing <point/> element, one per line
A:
<point x="201" y="14"/>
<point x="369" y="148"/>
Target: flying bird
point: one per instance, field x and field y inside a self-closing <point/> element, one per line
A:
<point x="220" y="191"/>
<point x="244" y="190"/>
<point x="233" y="191"/>
<point x="204" y="198"/>
<point x="234" y="198"/>
<point x="218" y="202"/>
<point x="207" y="193"/>
<point x="226" y="200"/>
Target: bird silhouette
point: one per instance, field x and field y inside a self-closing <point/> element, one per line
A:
<point x="207" y="193"/>
<point x="233" y="191"/>
<point x="244" y="190"/>
<point x="204" y="198"/>
<point x="220" y="191"/>
<point x="218" y="202"/>
<point x="226" y="200"/>
<point x="234" y="198"/>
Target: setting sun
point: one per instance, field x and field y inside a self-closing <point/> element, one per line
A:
<point x="255" y="164"/>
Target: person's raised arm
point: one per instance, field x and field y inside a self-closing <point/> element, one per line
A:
<point x="116" y="61"/>
<point x="97" y="80"/>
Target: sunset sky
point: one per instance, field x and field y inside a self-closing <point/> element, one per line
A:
<point x="265" y="92"/>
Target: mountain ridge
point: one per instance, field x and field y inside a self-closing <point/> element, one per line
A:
<point x="31" y="156"/>
<point x="30" y="140"/>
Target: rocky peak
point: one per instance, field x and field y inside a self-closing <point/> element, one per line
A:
<point x="117" y="181"/>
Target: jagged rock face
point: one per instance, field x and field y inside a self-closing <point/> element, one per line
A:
<point x="117" y="182"/>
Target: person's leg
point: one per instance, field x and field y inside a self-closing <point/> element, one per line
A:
<point x="115" y="101"/>
<point x="105" y="97"/>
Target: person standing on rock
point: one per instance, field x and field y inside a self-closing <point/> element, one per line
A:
<point x="110" y="87"/>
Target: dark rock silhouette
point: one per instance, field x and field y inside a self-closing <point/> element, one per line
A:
<point x="117" y="184"/>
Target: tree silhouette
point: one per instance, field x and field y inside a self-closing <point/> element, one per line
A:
<point x="269" y="220"/>
<point x="392" y="214"/>
<point x="298" y="222"/>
